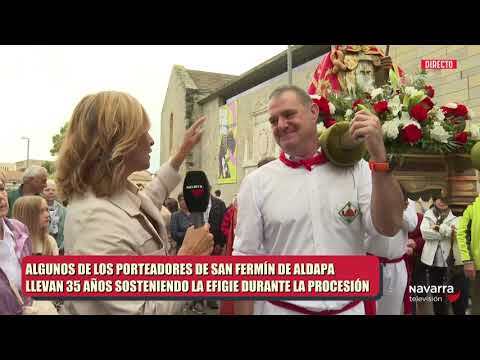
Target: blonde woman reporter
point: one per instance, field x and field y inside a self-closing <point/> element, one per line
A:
<point x="107" y="140"/>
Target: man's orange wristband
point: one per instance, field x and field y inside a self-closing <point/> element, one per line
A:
<point x="379" y="166"/>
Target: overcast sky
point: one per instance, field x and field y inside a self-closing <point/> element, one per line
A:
<point x="40" y="85"/>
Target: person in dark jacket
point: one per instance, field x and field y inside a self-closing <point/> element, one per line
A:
<point x="214" y="216"/>
<point x="171" y="204"/>
<point x="180" y="221"/>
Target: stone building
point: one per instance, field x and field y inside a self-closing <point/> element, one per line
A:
<point x="7" y="167"/>
<point x="180" y="108"/>
<point x="13" y="179"/>
<point x="22" y="165"/>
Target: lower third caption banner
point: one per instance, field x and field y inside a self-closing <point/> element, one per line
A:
<point x="164" y="277"/>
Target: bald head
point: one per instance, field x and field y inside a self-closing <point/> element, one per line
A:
<point x="301" y="94"/>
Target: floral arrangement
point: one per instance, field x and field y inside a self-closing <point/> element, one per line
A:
<point x="411" y="121"/>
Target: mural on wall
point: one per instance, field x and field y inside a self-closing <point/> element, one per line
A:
<point x="227" y="155"/>
<point x="263" y="141"/>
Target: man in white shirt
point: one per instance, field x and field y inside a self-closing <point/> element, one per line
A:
<point x="391" y="253"/>
<point x="301" y="204"/>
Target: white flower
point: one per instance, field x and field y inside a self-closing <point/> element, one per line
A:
<point x="376" y="92"/>
<point x="332" y="108"/>
<point x="471" y="113"/>
<point x="348" y="114"/>
<point x="320" y="128"/>
<point x="436" y="114"/>
<point x="438" y="133"/>
<point x="390" y="128"/>
<point x="394" y="105"/>
<point x="405" y="118"/>
<point x="413" y="93"/>
<point x="410" y="90"/>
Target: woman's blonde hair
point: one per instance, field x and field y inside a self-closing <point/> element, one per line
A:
<point x="104" y="128"/>
<point x="27" y="209"/>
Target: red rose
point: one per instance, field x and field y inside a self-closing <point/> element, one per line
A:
<point x="461" y="138"/>
<point x="418" y="112"/>
<point x="380" y="107"/>
<point x="329" y="122"/>
<point x="322" y="104"/>
<point x="411" y="134"/>
<point x="356" y="102"/>
<point x="461" y="110"/>
<point x="448" y="111"/>
<point x="427" y="103"/>
<point x="430" y="91"/>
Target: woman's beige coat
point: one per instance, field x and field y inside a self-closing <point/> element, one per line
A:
<point x="117" y="226"/>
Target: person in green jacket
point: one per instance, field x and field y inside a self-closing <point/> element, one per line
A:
<point x="34" y="181"/>
<point x="468" y="239"/>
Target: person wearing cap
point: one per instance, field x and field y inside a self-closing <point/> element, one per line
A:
<point x="438" y="230"/>
<point x="303" y="204"/>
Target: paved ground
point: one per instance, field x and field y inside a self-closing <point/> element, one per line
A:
<point x="206" y="311"/>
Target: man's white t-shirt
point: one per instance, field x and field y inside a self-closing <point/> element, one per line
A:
<point x="396" y="246"/>
<point x="287" y="211"/>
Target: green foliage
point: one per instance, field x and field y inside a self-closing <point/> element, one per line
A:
<point x="57" y="140"/>
<point x="50" y="166"/>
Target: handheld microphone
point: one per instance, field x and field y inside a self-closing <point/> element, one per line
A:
<point x="196" y="193"/>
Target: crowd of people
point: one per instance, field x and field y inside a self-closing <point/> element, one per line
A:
<point x="297" y="204"/>
<point x="181" y="220"/>
<point x="31" y="223"/>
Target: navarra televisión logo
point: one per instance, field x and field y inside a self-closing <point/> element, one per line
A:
<point x="433" y="293"/>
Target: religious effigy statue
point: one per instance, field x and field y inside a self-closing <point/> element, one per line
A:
<point x="435" y="148"/>
<point x="348" y="67"/>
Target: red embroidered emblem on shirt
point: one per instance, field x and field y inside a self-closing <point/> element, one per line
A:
<point x="348" y="213"/>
